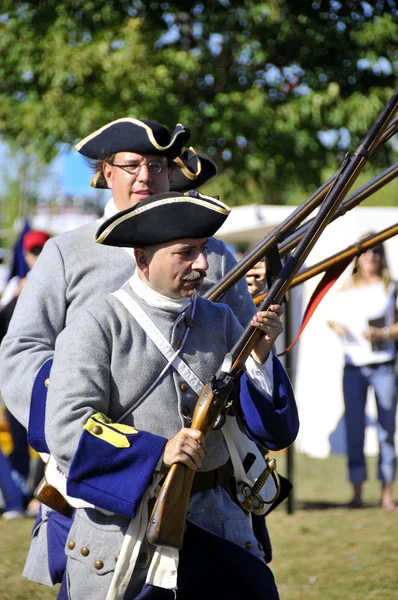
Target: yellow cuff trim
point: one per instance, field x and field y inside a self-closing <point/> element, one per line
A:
<point x="113" y="433"/>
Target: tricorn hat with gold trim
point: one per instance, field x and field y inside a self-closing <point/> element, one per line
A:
<point x="193" y="170"/>
<point x="134" y="135"/>
<point x="164" y="218"/>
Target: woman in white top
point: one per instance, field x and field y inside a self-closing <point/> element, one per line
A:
<point x="364" y="317"/>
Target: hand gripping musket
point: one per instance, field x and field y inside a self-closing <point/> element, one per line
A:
<point x="167" y="522"/>
<point x="288" y="233"/>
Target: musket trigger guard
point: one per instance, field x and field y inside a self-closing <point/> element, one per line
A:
<point x="219" y="385"/>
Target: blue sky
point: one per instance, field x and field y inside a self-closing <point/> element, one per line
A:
<point x="68" y="174"/>
<point x="74" y="173"/>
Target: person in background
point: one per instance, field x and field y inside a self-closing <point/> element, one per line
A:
<point x="364" y="316"/>
<point x="14" y="506"/>
<point x="19" y="458"/>
<point x="32" y="244"/>
<point x="256" y="279"/>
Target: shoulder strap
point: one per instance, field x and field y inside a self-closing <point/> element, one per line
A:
<point x="161" y="343"/>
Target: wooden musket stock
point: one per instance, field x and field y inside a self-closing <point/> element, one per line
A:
<point x="51" y="497"/>
<point x="166" y="524"/>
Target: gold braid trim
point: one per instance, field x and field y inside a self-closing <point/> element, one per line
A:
<point x="221" y="208"/>
<point x="94" y="180"/>
<point x="137" y="122"/>
<point x="185" y="170"/>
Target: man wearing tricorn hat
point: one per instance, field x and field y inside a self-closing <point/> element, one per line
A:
<point x="126" y="377"/>
<point x="134" y="158"/>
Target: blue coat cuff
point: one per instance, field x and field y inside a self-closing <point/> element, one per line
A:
<point x="114" y="477"/>
<point x="37" y="414"/>
<point x="273" y="426"/>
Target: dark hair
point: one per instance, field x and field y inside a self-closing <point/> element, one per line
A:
<point x="96" y="164"/>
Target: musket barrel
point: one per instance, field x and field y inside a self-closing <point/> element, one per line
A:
<point x="270" y="241"/>
<point x="287" y="233"/>
<point x="348" y="204"/>
<point x="353" y="167"/>
<point x="349" y="253"/>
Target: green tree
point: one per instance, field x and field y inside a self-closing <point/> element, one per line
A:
<point x="21" y="176"/>
<point x="275" y="91"/>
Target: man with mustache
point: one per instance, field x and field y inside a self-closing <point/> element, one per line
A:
<point x="126" y="377"/>
<point x="134" y="159"/>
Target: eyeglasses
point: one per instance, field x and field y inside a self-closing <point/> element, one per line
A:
<point x="154" y="167"/>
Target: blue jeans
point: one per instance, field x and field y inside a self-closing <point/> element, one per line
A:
<point x="13" y="497"/>
<point x="19" y="457"/>
<point x="356" y="381"/>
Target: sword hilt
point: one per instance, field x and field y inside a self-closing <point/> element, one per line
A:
<point x="249" y="497"/>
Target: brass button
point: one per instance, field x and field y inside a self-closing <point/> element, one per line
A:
<point x="84" y="551"/>
<point x="260" y="547"/>
<point x="98" y="564"/>
<point x="183" y="387"/>
<point x="47" y="381"/>
<point x="97" y="429"/>
<point x="248" y="545"/>
<point x="178" y="343"/>
<point x="71" y="544"/>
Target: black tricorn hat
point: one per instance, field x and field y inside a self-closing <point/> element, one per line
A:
<point x="164" y="218"/>
<point x="193" y="170"/>
<point x="134" y="135"/>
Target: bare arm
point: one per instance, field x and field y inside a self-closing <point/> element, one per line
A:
<point x="339" y="329"/>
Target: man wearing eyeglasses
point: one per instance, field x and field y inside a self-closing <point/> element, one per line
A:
<point x="134" y="184"/>
<point x="133" y="158"/>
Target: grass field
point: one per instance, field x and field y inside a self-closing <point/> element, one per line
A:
<point x="321" y="552"/>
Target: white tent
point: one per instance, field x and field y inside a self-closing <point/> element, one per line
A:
<point x="252" y="222"/>
<point x="318" y="358"/>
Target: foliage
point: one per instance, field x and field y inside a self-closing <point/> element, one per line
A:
<point x="21" y="175"/>
<point x="274" y="90"/>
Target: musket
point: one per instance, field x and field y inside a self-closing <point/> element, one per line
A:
<point x="343" y="257"/>
<point x="288" y="230"/>
<point x="167" y="522"/>
<point x="348" y="204"/>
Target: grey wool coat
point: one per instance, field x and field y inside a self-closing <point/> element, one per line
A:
<point x="95" y="365"/>
<point x="71" y="273"/>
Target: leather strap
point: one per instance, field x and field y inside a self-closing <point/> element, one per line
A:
<point x="206" y="480"/>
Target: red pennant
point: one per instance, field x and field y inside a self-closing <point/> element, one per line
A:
<point x="329" y="278"/>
